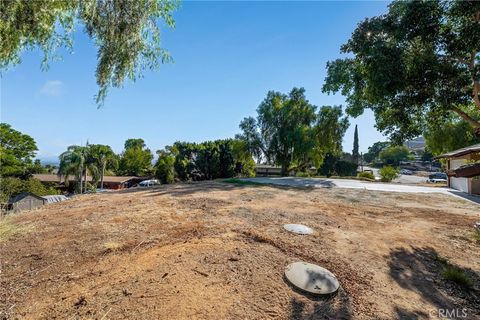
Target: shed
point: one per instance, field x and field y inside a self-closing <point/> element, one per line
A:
<point x="463" y="169"/>
<point x="26" y="201"/>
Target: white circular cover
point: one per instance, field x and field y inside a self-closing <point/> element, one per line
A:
<point x="298" y="228"/>
<point x="311" y="278"/>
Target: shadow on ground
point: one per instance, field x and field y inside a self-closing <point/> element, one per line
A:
<point x="420" y="270"/>
<point x="331" y="307"/>
<point x="466" y="196"/>
<point x="186" y="189"/>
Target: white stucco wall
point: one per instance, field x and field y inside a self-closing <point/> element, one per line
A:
<point x="460" y="184"/>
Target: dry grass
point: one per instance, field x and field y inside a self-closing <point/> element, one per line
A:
<point x="8" y="228"/>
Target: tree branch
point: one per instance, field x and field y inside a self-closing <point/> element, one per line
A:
<point x="476" y="84"/>
<point x="466" y="117"/>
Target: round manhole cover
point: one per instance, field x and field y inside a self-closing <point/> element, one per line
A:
<point x="298" y="228"/>
<point x="311" y="278"/>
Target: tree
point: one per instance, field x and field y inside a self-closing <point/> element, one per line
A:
<point x="164" y="168"/>
<point x="415" y="65"/>
<point x="454" y="133"/>
<point x="328" y="131"/>
<point x="136" y="159"/>
<point x="252" y="138"/>
<point x="16" y="152"/>
<point x="374" y="150"/>
<point x="74" y="162"/>
<point x="12" y="186"/>
<point x="37" y="167"/>
<point x="355" y="153"/>
<point x="394" y="155"/>
<point x="126" y="34"/>
<point x="288" y="131"/>
<point x="103" y="157"/>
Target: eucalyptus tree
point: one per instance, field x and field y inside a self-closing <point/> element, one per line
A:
<point x="126" y="34"/>
<point x="289" y="132"/>
<point x="413" y="66"/>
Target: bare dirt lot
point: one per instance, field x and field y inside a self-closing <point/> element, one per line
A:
<point x="218" y="251"/>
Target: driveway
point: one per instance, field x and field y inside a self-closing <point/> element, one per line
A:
<point x="358" y="184"/>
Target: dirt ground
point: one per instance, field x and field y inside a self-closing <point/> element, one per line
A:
<point x="218" y="251"/>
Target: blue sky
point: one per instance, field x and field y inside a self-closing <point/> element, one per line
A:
<point x="227" y="56"/>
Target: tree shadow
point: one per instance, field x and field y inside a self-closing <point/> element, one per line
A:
<point x="420" y="270"/>
<point x="402" y="314"/>
<point x="189" y="188"/>
<point x="294" y="182"/>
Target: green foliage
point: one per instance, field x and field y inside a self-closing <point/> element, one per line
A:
<point x="452" y="134"/>
<point x="393" y="155"/>
<point x="328" y="166"/>
<point x="427" y="155"/>
<point x="103" y="159"/>
<point x="457" y="275"/>
<point x="334" y="166"/>
<point x="355" y="153"/>
<point x="367" y="175"/>
<point x="126" y="33"/>
<point x="374" y="151"/>
<point x="211" y="159"/>
<point x="136" y="159"/>
<point x="345" y="168"/>
<point x="303" y="174"/>
<point x="241" y="182"/>
<point x="165" y="167"/>
<point x="288" y="131"/>
<point x="11" y="186"/>
<point x="93" y="159"/>
<point x="388" y="173"/>
<point x="74" y="162"/>
<point x="476" y="235"/>
<point x="412" y="66"/>
<point x="16" y="152"/>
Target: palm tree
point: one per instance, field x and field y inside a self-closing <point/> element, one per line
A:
<point x="73" y="162"/>
<point x="102" y="158"/>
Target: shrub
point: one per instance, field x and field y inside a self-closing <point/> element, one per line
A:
<point x="388" y="173"/>
<point x="302" y="174"/>
<point x="164" y="169"/>
<point x="366" y="174"/>
<point x="346" y="168"/>
<point x="12" y="186"/>
<point x="457" y="275"/>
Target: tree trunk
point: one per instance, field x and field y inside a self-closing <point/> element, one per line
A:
<point x="284" y="171"/>
<point x="103" y="173"/>
<point x="85" y="184"/>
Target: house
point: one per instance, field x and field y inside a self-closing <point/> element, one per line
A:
<point x="25" y="201"/>
<point x="266" y="170"/>
<point x="463" y="169"/>
<point x="109" y="182"/>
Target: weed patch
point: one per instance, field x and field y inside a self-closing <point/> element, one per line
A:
<point x="457" y="275"/>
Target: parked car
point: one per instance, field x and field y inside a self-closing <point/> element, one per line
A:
<point x="437" y="177"/>
<point x="149" y="183"/>
<point x="406" y="171"/>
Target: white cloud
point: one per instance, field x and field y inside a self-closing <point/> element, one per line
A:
<point x="52" y="88"/>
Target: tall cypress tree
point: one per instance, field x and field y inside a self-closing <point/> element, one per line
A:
<point x="355" y="154"/>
